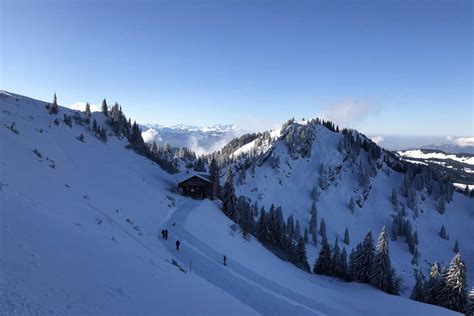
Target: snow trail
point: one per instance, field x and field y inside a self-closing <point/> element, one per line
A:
<point x="258" y="292"/>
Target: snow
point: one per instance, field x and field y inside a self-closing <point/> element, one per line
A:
<point x="82" y="238"/>
<point x="248" y="147"/>
<point x="290" y="184"/>
<point x="436" y="155"/>
<point x="80" y="225"/>
<point x="208" y="231"/>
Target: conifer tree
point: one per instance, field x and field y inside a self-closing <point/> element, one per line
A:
<point x="470" y="304"/>
<point x="262" y="228"/>
<point x="228" y="196"/>
<point x="456" y="247"/>
<point x="364" y="259"/>
<point x="305" y="235"/>
<point x="105" y="109"/>
<point x="381" y="272"/>
<point x="300" y="254"/>
<point x="434" y="285"/>
<point x="199" y="166"/>
<point x="94" y="126"/>
<point x="352" y="264"/>
<point x="136" y="139"/>
<point x="323" y="263"/>
<point x="336" y="269"/>
<point x="455" y="296"/>
<point x="418" y="292"/>
<point x="441" y="205"/>
<point x="214" y="177"/>
<point x="442" y="232"/>
<point x="88" y="110"/>
<point x="313" y="222"/>
<point x="343" y="265"/>
<point x="394" y="198"/>
<point x="346" y="236"/>
<point x="352" y="205"/>
<point x="322" y="228"/>
<point x="54" y="107"/>
<point x="245" y="216"/>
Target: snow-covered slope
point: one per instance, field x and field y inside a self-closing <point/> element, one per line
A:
<point x="79" y="224"/>
<point x="309" y="158"/>
<point x="201" y="140"/>
<point x="460" y="167"/>
<point x="81" y="238"/>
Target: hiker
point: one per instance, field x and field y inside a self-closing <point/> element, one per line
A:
<point x="177" y="244"/>
<point x="225" y="260"/>
<point x="174" y="224"/>
<point x="163" y="233"/>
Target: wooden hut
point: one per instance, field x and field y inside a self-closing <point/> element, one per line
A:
<point x="195" y="184"/>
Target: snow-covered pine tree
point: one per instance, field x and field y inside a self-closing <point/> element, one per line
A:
<point x="88" y="110"/>
<point x="305" y="235"/>
<point x="54" y="107"/>
<point x="454" y="294"/>
<point x="346" y="237"/>
<point x="394" y="198"/>
<point x="343" y="264"/>
<point x="262" y="228"/>
<point x="352" y="205"/>
<point x="434" y="285"/>
<point x="336" y="269"/>
<point x="105" y="109"/>
<point x="214" y="177"/>
<point x="301" y="256"/>
<point x="363" y="260"/>
<point x="323" y="263"/>
<point x="245" y="216"/>
<point x="228" y="196"/>
<point x="418" y="292"/>
<point x="351" y="264"/>
<point x="442" y="232"/>
<point x="440" y="206"/>
<point x="456" y="247"/>
<point x="199" y="166"/>
<point x="381" y="272"/>
<point x="322" y="228"/>
<point x="94" y="126"/>
<point x="313" y="222"/>
<point x="470" y="304"/>
<point x="297" y="232"/>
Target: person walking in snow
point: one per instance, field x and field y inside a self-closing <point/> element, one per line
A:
<point x="177" y="245"/>
<point x="166" y="234"/>
<point x="225" y="260"/>
<point x="163" y="233"/>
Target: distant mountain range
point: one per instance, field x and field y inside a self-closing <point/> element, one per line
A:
<point x="201" y="140"/>
<point x="447" y="144"/>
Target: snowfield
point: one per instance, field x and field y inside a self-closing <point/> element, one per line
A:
<point x="80" y="225"/>
<point x="436" y="155"/>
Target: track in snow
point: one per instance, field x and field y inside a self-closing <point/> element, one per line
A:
<point x="260" y="293"/>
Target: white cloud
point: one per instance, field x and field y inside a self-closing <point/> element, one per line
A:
<point x="347" y="111"/>
<point x="462" y="141"/>
<point x="377" y="139"/>
<point x="149" y="135"/>
<point x="81" y="106"/>
<point x="193" y="144"/>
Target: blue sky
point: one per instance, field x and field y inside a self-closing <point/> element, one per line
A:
<point x="384" y="67"/>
